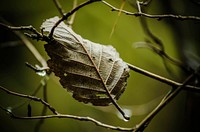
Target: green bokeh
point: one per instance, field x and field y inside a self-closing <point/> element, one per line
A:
<point x="93" y="22"/>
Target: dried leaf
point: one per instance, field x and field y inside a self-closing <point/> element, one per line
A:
<point x="85" y="68"/>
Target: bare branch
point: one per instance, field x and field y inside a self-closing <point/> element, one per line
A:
<point x="143" y="124"/>
<point x="145" y="3"/>
<point x="59" y="7"/>
<point x="44" y="110"/>
<point x="61" y="11"/>
<point x="39" y="36"/>
<point x="71" y="21"/>
<point x="161" y="50"/>
<point x="162" y="79"/>
<point x="25" y="28"/>
<point x="37" y="69"/>
<point x="57" y="114"/>
<point x="28" y="44"/>
<point x="138" y="6"/>
<point x="80" y="118"/>
<point x="30" y="97"/>
<point x="140" y="127"/>
<point x="158" y="17"/>
<point x="148" y="32"/>
<point x="65" y="17"/>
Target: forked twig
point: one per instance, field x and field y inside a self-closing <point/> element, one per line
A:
<point x="144" y="123"/>
<point x="36" y="35"/>
<point x="160" y="50"/>
<point x="65" y="17"/>
<point x="141" y="126"/>
<point x="158" y="17"/>
<point x="30" y="97"/>
<point x="57" y="114"/>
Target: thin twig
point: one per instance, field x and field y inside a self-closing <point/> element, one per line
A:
<point x="117" y="19"/>
<point x="162" y="79"/>
<point x="65" y="17"/>
<point x="145" y="3"/>
<point x="161" y="50"/>
<point x="144" y="123"/>
<point x="41" y="84"/>
<point x="71" y="21"/>
<point x="28" y="44"/>
<point x="37" y="69"/>
<point x="30" y="97"/>
<point x="25" y="28"/>
<point x="148" y="32"/>
<point x="57" y="114"/>
<point x="44" y="110"/>
<point x="138" y="6"/>
<point x="158" y="17"/>
<point x="59" y="7"/>
<point x="162" y="54"/>
<point x="80" y="118"/>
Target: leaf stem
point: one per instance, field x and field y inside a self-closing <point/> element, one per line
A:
<point x="105" y="87"/>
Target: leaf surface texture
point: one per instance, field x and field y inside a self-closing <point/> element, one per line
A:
<point x="85" y="68"/>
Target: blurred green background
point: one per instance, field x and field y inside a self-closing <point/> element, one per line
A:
<point x="93" y="22"/>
